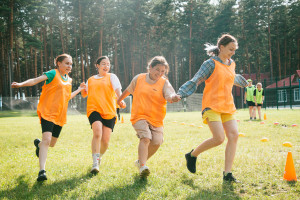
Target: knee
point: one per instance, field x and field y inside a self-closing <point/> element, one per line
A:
<point x="145" y="141"/>
<point x="219" y="139"/>
<point x="46" y="141"/>
<point x="233" y="136"/>
<point x="97" y="134"/>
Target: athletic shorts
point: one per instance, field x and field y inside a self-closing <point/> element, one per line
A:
<point x="48" y="126"/>
<point x="145" y="130"/>
<point x="95" y="116"/>
<point x="250" y="103"/>
<point x="214" y="116"/>
<point x="259" y="104"/>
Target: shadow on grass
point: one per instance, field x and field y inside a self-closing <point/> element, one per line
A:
<point x="42" y="190"/>
<point x="227" y="191"/>
<point x="130" y="191"/>
<point x="18" y="113"/>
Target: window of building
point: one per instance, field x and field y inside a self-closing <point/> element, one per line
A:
<point x="296" y="94"/>
<point x="281" y="96"/>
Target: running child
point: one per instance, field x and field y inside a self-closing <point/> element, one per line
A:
<point x="150" y="91"/>
<point x="101" y="91"/>
<point x="53" y="105"/>
<point x="218" y="107"/>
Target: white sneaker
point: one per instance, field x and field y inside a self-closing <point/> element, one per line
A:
<point x="144" y="171"/>
<point x="95" y="168"/>
<point x="137" y="164"/>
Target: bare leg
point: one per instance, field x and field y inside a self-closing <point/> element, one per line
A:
<point x="143" y="150"/>
<point x="254" y="112"/>
<point x="231" y="131"/>
<point x="152" y="148"/>
<point x="105" y="139"/>
<point x="259" y="112"/>
<point x="97" y="135"/>
<point x="44" y="145"/>
<point x="53" y="141"/>
<point x="218" y="138"/>
<point x="251" y="111"/>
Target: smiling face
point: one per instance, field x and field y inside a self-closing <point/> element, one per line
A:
<point x="157" y="71"/>
<point x="65" y="67"/>
<point x="103" y="67"/>
<point x="228" y="51"/>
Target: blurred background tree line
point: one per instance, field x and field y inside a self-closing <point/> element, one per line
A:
<point x="130" y="32"/>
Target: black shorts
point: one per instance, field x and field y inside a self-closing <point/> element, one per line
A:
<point x="250" y="103"/>
<point x="48" y="126"/>
<point x="259" y="104"/>
<point x="95" y="116"/>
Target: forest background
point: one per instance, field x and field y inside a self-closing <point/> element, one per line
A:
<point x="130" y="32"/>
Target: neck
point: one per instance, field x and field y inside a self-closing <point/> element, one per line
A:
<point x="223" y="58"/>
<point x="60" y="72"/>
<point x="151" y="77"/>
<point x="102" y="74"/>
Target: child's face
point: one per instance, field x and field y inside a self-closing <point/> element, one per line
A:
<point x="229" y="50"/>
<point x="103" y="66"/>
<point x="258" y="87"/>
<point x="157" y="71"/>
<point x="65" y="66"/>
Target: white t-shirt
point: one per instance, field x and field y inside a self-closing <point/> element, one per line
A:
<point x="115" y="82"/>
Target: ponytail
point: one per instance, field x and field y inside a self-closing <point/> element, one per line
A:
<point x="212" y="50"/>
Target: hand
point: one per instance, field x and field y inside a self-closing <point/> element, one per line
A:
<point x="255" y="103"/>
<point x="245" y="102"/>
<point x="176" y="98"/>
<point x="122" y="104"/>
<point x="15" y="85"/>
<point x="262" y="102"/>
<point x="82" y="86"/>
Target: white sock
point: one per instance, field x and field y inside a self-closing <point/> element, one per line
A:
<point x="100" y="155"/>
<point x="96" y="157"/>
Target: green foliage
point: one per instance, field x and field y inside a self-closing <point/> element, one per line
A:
<point x="258" y="165"/>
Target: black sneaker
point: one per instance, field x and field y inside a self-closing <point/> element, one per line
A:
<point x="230" y="178"/>
<point x="191" y="162"/>
<point x="36" y="144"/>
<point x="42" y="176"/>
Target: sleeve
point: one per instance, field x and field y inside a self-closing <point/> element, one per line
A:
<point x="168" y="90"/>
<point x="263" y="93"/>
<point x="115" y="82"/>
<point x="86" y="86"/>
<point x="240" y="81"/>
<point x="131" y="86"/>
<point x="254" y="93"/>
<point x="203" y="74"/>
<point x="50" y="75"/>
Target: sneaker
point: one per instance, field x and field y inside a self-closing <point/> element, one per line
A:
<point x="137" y="164"/>
<point x="95" y="169"/>
<point x="144" y="172"/>
<point x="36" y="143"/>
<point x="230" y="178"/>
<point x="191" y="162"/>
<point x="42" y="176"/>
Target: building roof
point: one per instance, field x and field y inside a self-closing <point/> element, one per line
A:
<point x="286" y="81"/>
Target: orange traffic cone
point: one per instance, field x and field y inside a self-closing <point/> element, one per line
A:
<point x="289" y="171"/>
<point x="265" y="116"/>
<point x="122" y="120"/>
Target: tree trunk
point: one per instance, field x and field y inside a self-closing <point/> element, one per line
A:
<point x="80" y="37"/>
<point x="190" y="45"/>
<point x="101" y="28"/>
<point x="41" y="54"/>
<point x="27" y="91"/>
<point x="246" y="48"/>
<point x="45" y="47"/>
<point x="116" y="57"/>
<point x="124" y="62"/>
<point x="11" y="42"/>
<point x="269" y="40"/>
<point x="279" y="62"/>
<point x="18" y="73"/>
<point x="52" y="64"/>
<point x="87" y="60"/>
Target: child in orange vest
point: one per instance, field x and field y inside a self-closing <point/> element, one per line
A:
<point x="218" y="107"/>
<point x="101" y="91"/>
<point x="150" y="91"/>
<point x="53" y="105"/>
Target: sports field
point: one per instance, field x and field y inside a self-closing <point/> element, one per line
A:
<point x="258" y="165"/>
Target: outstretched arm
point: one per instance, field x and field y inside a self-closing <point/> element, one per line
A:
<point x="80" y="88"/>
<point x="122" y="97"/>
<point x="121" y="103"/>
<point x="29" y="82"/>
<point x="240" y="81"/>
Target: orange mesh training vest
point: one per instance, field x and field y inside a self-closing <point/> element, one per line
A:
<point x="101" y="97"/>
<point x="53" y="104"/>
<point x="217" y="93"/>
<point x="149" y="102"/>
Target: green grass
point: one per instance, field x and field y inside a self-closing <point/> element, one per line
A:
<point x="259" y="166"/>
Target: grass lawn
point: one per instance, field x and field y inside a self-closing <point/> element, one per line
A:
<point x="258" y="165"/>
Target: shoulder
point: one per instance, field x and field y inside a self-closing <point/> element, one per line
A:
<point x="50" y="72"/>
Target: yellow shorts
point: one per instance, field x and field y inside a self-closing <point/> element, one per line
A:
<point x="214" y="116"/>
